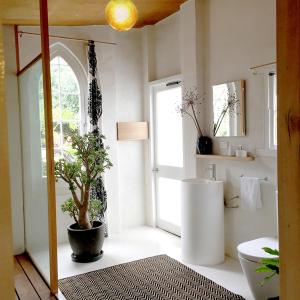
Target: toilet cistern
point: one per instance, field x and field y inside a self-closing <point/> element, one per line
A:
<point x="213" y="172"/>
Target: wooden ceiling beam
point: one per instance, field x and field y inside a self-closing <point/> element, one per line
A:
<point x="71" y="13"/>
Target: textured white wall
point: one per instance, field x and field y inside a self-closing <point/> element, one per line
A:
<point x="242" y="34"/>
<point x="166" y="43"/>
<point x="130" y="108"/>
<point x="231" y="36"/>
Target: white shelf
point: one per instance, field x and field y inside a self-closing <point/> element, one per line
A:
<point x="224" y="157"/>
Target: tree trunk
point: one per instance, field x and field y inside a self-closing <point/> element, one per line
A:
<point x="83" y="219"/>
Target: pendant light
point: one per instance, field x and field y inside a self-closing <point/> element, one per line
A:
<point x="121" y="14"/>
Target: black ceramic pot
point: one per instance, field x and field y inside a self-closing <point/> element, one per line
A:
<point x="86" y="244"/>
<point x="204" y="145"/>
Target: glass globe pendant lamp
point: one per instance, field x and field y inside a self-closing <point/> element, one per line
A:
<point x="121" y="15"/>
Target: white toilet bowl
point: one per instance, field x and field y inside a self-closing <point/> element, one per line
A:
<point x="249" y="255"/>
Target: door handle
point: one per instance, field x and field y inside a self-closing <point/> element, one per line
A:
<point x="155" y="170"/>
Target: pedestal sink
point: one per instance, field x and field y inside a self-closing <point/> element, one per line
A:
<point x="202" y="228"/>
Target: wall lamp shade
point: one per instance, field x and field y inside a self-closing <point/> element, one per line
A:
<point x="121" y="14"/>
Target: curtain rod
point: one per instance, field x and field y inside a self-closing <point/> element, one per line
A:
<point x="264" y="65"/>
<point x="64" y="37"/>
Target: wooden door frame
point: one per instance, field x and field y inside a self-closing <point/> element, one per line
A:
<point x="288" y="64"/>
<point x="6" y="261"/>
<point x="44" y="27"/>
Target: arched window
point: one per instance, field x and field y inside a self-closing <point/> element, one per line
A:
<point x="67" y="107"/>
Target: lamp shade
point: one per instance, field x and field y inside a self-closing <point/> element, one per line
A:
<point x="121" y="14"/>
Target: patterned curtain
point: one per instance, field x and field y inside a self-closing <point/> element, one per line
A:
<point x="95" y="113"/>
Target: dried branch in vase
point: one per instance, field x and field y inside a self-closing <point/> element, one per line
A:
<point x="190" y="102"/>
<point x="229" y="107"/>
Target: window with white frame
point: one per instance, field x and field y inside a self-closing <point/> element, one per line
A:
<point x="67" y="107"/>
<point x="272" y="110"/>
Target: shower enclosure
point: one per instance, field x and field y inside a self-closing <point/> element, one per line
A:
<point x="34" y="168"/>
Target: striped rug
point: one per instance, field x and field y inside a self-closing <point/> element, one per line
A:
<point x="156" y="278"/>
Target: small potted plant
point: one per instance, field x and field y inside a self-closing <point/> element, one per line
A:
<point x="190" y="102"/>
<point x="79" y="170"/>
<point x="269" y="266"/>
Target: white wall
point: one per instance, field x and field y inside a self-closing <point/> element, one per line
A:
<point x="166" y="43"/>
<point x="120" y="69"/>
<point x="130" y="108"/>
<point x="241" y="34"/>
<point x="218" y="42"/>
<point x="15" y="162"/>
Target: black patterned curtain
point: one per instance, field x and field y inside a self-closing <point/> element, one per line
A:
<point x="95" y="113"/>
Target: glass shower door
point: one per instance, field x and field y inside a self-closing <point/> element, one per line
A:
<point x="34" y="160"/>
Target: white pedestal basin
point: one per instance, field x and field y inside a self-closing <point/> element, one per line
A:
<point x="202" y="228"/>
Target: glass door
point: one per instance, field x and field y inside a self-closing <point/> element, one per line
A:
<point x="34" y="180"/>
<point x="168" y="156"/>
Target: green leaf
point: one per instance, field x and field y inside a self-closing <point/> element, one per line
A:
<point x="274" y="252"/>
<point x="270" y="261"/>
<point x="263" y="269"/>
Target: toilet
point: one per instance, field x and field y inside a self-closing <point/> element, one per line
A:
<point x="250" y="253"/>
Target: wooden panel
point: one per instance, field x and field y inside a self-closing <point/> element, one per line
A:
<point x="23" y="286"/>
<point x="35" y="278"/>
<point x="6" y="258"/>
<point x="83" y="12"/>
<point x="17" y="47"/>
<point x="248" y="158"/>
<point x="288" y="69"/>
<point x="49" y="146"/>
<point x="132" y="131"/>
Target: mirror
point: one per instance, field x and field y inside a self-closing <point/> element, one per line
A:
<point x="229" y="109"/>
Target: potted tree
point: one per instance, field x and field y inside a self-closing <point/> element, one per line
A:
<point x="84" y="164"/>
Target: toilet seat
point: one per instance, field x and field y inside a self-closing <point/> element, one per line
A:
<point x="252" y="250"/>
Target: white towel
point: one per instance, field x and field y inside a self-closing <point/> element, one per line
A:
<point x="250" y="193"/>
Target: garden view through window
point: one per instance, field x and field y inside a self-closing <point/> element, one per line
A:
<point x="65" y="108"/>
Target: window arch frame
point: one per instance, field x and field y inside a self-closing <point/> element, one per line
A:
<point x="59" y="49"/>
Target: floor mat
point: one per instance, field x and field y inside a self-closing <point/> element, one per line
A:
<point x="154" y="278"/>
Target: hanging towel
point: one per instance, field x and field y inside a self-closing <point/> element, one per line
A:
<point x="250" y="193"/>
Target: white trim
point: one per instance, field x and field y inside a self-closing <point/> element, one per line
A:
<point x="149" y="150"/>
<point x="163" y="81"/>
<point x="269" y="149"/>
<point x="154" y="86"/>
<point x="271" y="85"/>
<point x="264" y="70"/>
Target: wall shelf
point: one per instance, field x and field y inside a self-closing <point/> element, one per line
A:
<point x="224" y="157"/>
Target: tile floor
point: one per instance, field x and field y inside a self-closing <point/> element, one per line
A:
<point x="143" y="242"/>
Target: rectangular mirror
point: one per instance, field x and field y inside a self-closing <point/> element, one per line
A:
<point x="229" y="109"/>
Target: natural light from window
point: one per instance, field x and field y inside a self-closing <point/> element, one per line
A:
<point x="65" y="108"/>
<point x="169" y="128"/>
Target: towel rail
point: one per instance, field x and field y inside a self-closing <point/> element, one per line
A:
<point x="263" y="179"/>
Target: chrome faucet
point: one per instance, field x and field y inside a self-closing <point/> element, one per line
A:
<point x="213" y="172"/>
